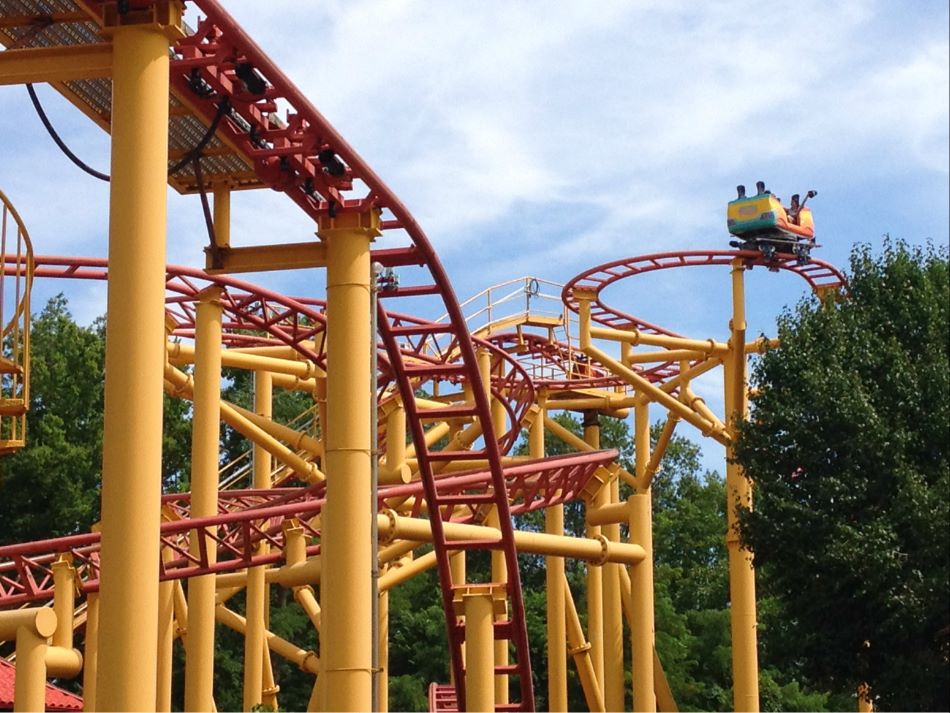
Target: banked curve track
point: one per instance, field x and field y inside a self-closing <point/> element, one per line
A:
<point x="820" y="276"/>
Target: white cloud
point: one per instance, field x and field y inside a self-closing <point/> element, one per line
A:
<point x="471" y="110"/>
<point x="902" y="110"/>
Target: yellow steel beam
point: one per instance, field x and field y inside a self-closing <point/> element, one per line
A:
<point x="664" y="695"/>
<point x="616" y="512"/>
<point x="554" y="574"/>
<point x="222" y="214"/>
<point x="305" y="597"/>
<point x="761" y="344"/>
<point x="91" y="652"/>
<point x="580" y="651"/>
<point x="606" y="405"/>
<point x="29" y="691"/>
<point x="635" y="336"/>
<point x="598" y="551"/>
<point x="642" y="639"/>
<point x="571" y="439"/>
<point x="642" y="626"/>
<point x="305" y="660"/>
<point x="397" y="575"/>
<point x="257" y="595"/>
<point x="55" y="64"/>
<point x="383" y="655"/>
<point x="180" y="385"/>
<point x="658" y="452"/>
<point x="264" y="258"/>
<point x="654" y="393"/>
<point x="613" y="618"/>
<point x="662" y="355"/>
<point x="167" y="630"/>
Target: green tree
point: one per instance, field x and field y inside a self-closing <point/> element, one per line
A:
<point x="418" y="650"/>
<point x="847" y="446"/>
<point x="691" y="578"/>
<point x="51" y="487"/>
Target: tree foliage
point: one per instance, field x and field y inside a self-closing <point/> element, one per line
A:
<point x="690" y="578"/>
<point x="51" y="487"/>
<point x="848" y="449"/>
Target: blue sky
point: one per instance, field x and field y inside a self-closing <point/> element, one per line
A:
<point x="545" y="138"/>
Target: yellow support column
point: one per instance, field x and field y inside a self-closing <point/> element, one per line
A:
<point x="554" y="584"/>
<point x="595" y="573"/>
<point x="167" y="620"/>
<point x="457" y="565"/>
<point x="394" y="468"/>
<point x="206" y="425"/>
<point x="580" y="650"/>
<point x="614" y="688"/>
<point x="254" y="647"/>
<point x="499" y="573"/>
<point x="34" y="628"/>
<point x="166" y="641"/>
<point x="383" y="651"/>
<point x="222" y="216"/>
<point x="64" y="600"/>
<point x="135" y="348"/>
<point x="271" y="689"/>
<point x="345" y="538"/>
<point x="745" y="663"/>
<point x="642" y="636"/>
<point x="641" y="630"/>
<point x="320" y="397"/>
<point x="479" y="604"/>
<point x="90" y="653"/>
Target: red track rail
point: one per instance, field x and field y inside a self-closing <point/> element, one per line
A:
<point x="818" y="274"/>
<point x="252" y="315"/>
<point x="247" y="517"/>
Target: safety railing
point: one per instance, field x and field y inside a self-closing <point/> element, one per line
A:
<point x="16" y="279"/>
<point x="523" y="296"/>
<point x="529" y="310"/>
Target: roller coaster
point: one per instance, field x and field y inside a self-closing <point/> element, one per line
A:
<point x="406" y="460"/>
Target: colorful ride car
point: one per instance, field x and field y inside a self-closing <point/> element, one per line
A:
<point x="764" y="216"/>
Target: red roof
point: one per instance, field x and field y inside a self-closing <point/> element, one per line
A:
<point x="56" y="698"/>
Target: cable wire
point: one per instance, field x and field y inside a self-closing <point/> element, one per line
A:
<point x="223" y="108"/>
<point x="59" y="142"/>
<point x="191" y="156"/>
